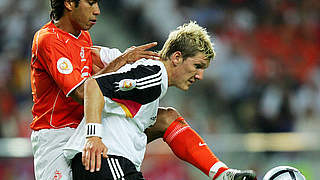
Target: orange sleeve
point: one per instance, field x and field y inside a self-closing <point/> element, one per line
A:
<point x="61" y="63"/>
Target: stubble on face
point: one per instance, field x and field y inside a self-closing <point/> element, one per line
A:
<point x="190" y="68"/>
<point x="85" y="14"/>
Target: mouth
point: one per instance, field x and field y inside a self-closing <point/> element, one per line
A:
<point x="94" y="21"/>
<point x="190" y="81"/>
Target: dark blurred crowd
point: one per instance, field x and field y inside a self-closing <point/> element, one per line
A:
<point x="266" y="75"/>
<point x="265" y="78"/>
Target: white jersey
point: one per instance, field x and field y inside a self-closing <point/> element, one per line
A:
<point x="131" y="97"/>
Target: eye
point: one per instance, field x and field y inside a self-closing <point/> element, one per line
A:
<point x="197" y="66"/>
<point x="91" y="3"/>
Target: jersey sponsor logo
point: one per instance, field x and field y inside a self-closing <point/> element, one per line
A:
<point x="202" y="144"/>
<point x="64" y="66"/>
<point x="127" y="84"/>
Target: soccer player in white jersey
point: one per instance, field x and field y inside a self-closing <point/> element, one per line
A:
<point x="121" y="113"/>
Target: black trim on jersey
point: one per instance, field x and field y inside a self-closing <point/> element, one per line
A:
<point x="148" y="84"/>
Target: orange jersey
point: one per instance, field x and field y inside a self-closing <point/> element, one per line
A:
<point x="60" y="63"/>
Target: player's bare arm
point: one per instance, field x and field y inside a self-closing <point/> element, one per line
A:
<point x="131" y="55"/>
<point x="94" y="147"/>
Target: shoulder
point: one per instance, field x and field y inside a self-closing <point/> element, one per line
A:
<point x="144" y="67"/>
<point x="48" y="39"/>
<point x="86" y="36"/>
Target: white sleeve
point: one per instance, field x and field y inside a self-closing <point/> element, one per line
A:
<point x="107" y="55"/>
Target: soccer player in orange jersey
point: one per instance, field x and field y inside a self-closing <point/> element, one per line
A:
<point x="61" y="61"/>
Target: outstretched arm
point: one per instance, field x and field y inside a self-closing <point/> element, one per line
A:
<point x="131" y="55"/>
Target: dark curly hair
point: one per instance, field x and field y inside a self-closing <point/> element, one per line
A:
<point x="57" y="8"/>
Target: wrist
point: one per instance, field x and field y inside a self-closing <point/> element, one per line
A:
<point x="94" y="130"/>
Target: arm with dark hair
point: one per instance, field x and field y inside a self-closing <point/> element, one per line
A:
<point x="129" y="56"/>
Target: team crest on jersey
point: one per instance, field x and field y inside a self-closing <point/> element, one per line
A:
<point x="64" y="66"/>
<point x="57" y="175"/>
<point x="127" y="84"/>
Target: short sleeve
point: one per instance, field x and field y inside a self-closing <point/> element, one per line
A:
<point x="63" y="65"/>
<point x="140" y="82"/>
<point x="107" y="55"/>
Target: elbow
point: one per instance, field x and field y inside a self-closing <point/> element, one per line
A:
<point x="77" y="96"/>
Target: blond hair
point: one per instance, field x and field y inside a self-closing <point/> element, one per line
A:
<point x="189" y="39"/>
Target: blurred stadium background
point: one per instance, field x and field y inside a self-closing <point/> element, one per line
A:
<point x="258" y="106"/>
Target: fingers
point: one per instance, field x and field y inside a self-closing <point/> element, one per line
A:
<point x="147" y="46"/>
<point x="91" y="155"/>
<point x="98" y="161"/>
<point x="83" y="157"/>
<point x="104" y="154"/>
<point x="86" y="159"/>
<point x="93" y="161"/>
<point x="149" y="55"/>
<point x="142" y="54"/>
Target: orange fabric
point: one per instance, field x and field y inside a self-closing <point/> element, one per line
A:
<point x="221" y="170"/>
<point x="189" y="146"/>
<point x="60" y="62"/>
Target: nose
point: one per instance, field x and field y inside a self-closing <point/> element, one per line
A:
<point x="96" y="9"/>
<point x="199" y="74"/>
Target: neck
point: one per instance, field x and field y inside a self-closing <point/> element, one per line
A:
<point x="64" y="23"/>
<point x="170" y="70"/>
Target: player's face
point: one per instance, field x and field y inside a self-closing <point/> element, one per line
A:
<point x="85" y="15"/>
<point x="190" y="70"/>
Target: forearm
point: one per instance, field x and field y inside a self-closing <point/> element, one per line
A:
<point x="113" y="66"/>
<point x="78" y="94"/>
<point x="93" y="106"/>
<point x="113" y="59"/>
<point x="93" y="101"/>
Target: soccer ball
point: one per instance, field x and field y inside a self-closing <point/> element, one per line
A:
<point x="284" y="173"/>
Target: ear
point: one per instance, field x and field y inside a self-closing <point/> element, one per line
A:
<point x="68" y="5"/>
<point x="176" y="58"/>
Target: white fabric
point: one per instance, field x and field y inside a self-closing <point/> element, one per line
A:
<point x="214" y="169"/>
<point x="94" y="129"/>
<point x="107" y="55"/>
<point x="122" y="135"/>
<point x="49" y="162"/>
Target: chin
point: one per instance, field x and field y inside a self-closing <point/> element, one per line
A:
<point x="87" y="27"/>
<point x="185" y="88"/>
